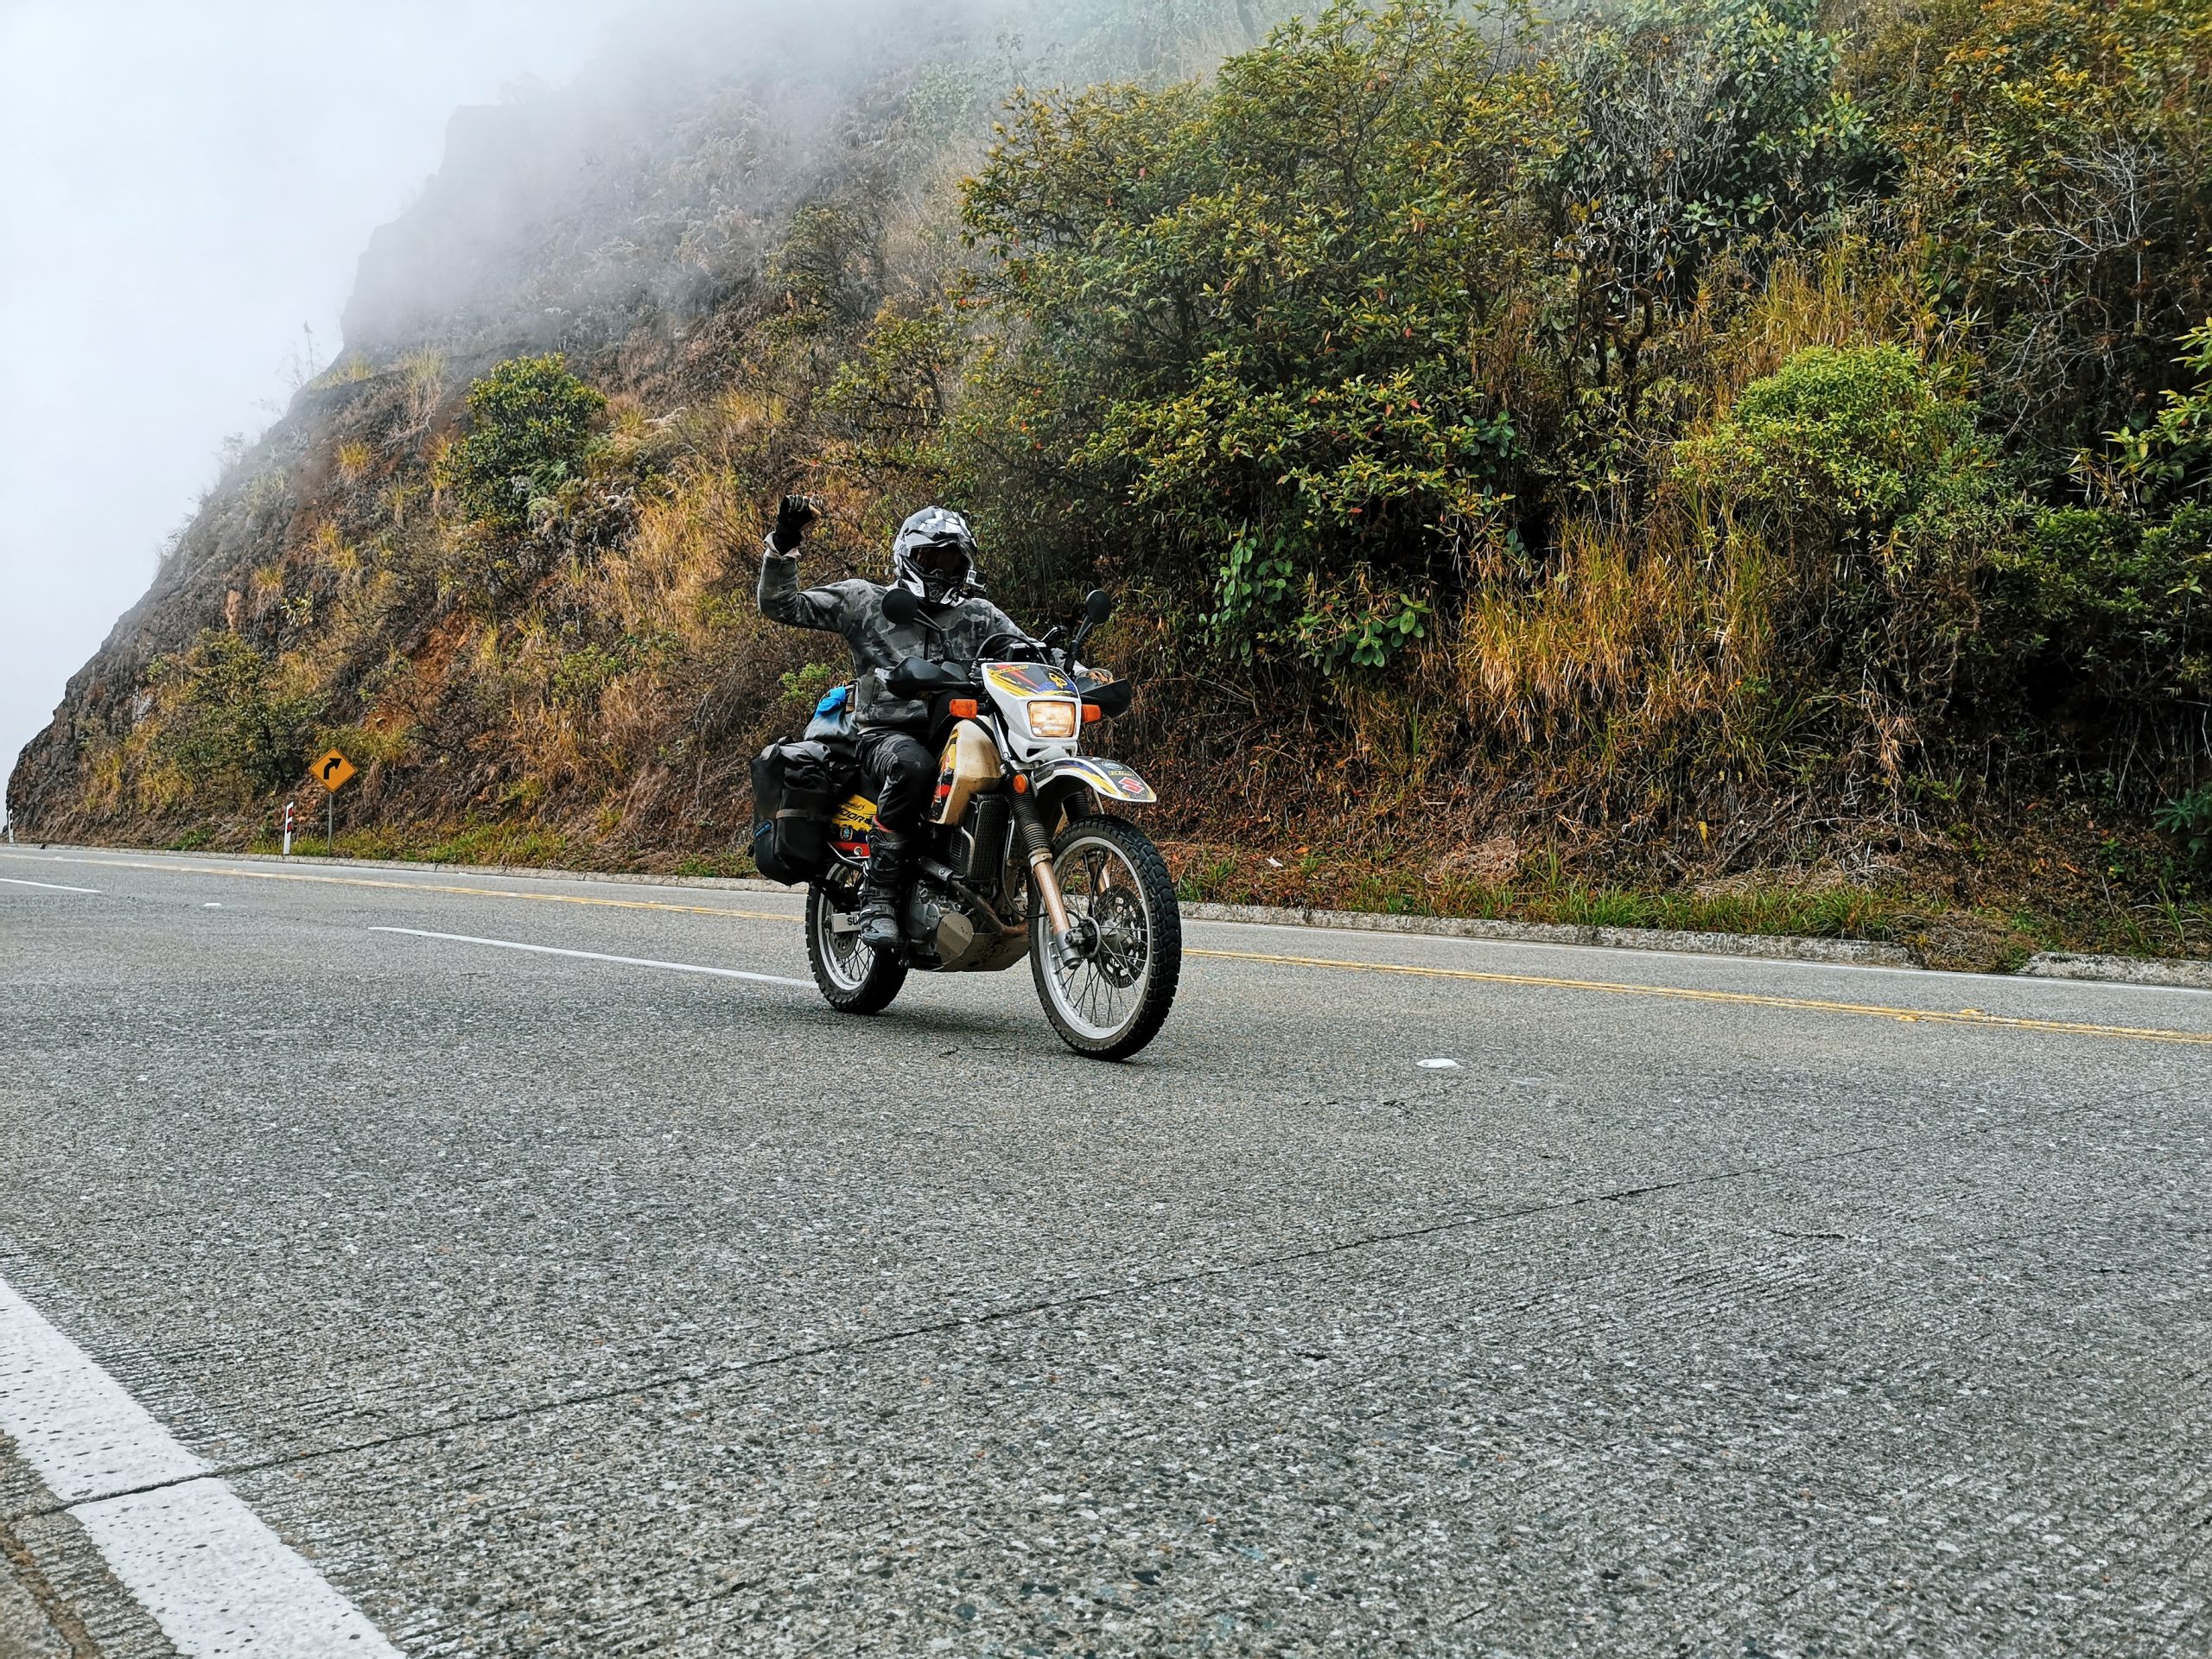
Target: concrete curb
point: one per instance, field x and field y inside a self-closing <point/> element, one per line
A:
<point x="2180" y="973"/>
<point x="1772" y="946"/>
<point x="2176" y="973"/>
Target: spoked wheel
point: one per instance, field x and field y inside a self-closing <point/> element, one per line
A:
<point x="853" y="977"/>
<point x="1128" y="938"/>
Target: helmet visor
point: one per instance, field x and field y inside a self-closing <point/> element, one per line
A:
<point x="942" y="559"/>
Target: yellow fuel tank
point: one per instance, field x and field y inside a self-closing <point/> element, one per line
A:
<point x="970" y="763"/>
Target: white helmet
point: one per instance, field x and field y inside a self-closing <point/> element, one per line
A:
<point x="934" y="557"/>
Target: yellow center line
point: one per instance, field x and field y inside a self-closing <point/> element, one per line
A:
<point x="1747" y="999"/>
<point x="424" y="887"/>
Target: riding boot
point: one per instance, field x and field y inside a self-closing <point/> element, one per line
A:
<point x="888" y="864"/>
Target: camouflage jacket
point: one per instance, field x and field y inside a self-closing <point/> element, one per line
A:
<point x="854" y="608"/>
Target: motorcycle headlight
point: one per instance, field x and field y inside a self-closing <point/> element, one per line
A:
<point x="1049" y="717"/>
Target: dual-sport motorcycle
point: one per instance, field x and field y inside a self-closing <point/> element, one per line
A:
<point x="1021" y="856"/>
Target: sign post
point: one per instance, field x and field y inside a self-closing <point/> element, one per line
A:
<point x="335" y="771"/>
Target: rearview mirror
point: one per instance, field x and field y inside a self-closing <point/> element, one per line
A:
<point x="1098" y="608"/>
<point x="900" y="605"/>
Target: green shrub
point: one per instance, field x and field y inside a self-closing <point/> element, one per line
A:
<point x="806" y="685"/>
<point x="530" y="428"/>
<point x="1865" y="482"/>
<point x="1855" y="450"/>
<point x="1243" y="316"/>
<point x="2189" y="820"/>
<point x="225" y="721"/>
<point x="2105" y="606"/>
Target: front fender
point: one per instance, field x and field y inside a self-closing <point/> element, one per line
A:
<point x="1109" y="778"/>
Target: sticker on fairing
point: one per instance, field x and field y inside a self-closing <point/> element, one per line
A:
<point x="851" y="826"/>
<point x="1029" y="680"/>
<point x="1109" y="776"/>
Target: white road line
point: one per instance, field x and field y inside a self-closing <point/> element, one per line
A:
<point x="84" y="1436"/>
<point x="596" y="956"/>
<point x="51" y="887"/>
<point x="206" y="1567"/>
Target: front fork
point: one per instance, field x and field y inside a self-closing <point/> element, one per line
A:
<point x="1045" y="879"/>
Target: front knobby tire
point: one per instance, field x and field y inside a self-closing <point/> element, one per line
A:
<point x="852" y="977"/>
<point x="1113" y="1001"/>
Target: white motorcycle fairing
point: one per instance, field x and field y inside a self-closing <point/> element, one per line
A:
<point x="1110" y="777"/>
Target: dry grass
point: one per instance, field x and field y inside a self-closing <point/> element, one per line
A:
<point x="1634" y="640"/>
<point x="1855" y="295"/>
<point x="355" y="457"/>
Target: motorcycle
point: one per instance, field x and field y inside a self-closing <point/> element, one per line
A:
<point x="1021" y="857"/>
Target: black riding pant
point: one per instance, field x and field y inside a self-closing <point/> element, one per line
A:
<point x="901" y="775"/>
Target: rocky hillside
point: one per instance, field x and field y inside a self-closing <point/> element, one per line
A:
<point x="680" y="226"/>
<point x="1727" y="463"/>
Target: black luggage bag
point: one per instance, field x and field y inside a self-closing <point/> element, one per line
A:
<point x="796" y="788"/>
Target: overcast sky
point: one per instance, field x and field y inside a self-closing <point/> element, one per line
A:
<point x="183" y="185"/>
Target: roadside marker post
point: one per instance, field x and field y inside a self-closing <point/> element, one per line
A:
<point x="335" y="771"/>
<point x="288" y="829"/>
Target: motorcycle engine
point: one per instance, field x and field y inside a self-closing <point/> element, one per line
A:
<point x="932" y="916"/>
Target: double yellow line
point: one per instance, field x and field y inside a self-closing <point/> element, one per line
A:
<point x="1972" y="1017"/>
<point x="1746" y="999"/>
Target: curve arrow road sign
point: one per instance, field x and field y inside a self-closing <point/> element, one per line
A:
<point x="332" y="770"/>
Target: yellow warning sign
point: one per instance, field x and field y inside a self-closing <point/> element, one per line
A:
<point x="333" y="770"/>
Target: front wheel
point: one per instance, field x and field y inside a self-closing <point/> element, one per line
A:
<point x="853" y="978"/>
<point x="1127" y="933"/>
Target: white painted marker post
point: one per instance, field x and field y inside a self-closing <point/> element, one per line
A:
<point x="209" y="1571"/>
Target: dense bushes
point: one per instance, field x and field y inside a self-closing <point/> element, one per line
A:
<point x="1246" y="313"/>
<point x="1416" y="338"/>
<point x="531" y="425"/>
<point x="1865" y="489"/>
<point x="2058" y="156"/>
<point x="231" y="728"/>
<point x="2094" y="607"/>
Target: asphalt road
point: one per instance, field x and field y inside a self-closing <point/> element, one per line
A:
<point x="545" y="1303"/>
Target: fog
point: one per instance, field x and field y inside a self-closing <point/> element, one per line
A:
<point x="184" y="189"/>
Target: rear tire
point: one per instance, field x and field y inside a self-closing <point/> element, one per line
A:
<point x="852" y="978"/>
<point x="1114" y="1002"/>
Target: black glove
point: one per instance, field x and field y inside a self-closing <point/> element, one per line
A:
<point x="793" y="519"/>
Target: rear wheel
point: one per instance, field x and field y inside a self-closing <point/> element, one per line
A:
<point x="853" y="978"/>
<point x="1128" y="937"/>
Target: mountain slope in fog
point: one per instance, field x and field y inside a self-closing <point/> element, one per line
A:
<point x="630" y="221"/>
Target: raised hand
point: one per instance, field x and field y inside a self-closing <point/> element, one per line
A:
<point x="794" y="519"/>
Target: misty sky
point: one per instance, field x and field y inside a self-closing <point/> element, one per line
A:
<point x="183" y="184"/>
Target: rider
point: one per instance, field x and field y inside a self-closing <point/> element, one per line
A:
<point x="934" y="558"/>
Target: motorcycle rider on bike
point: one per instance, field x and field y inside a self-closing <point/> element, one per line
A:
<point x="934" y="558"/>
